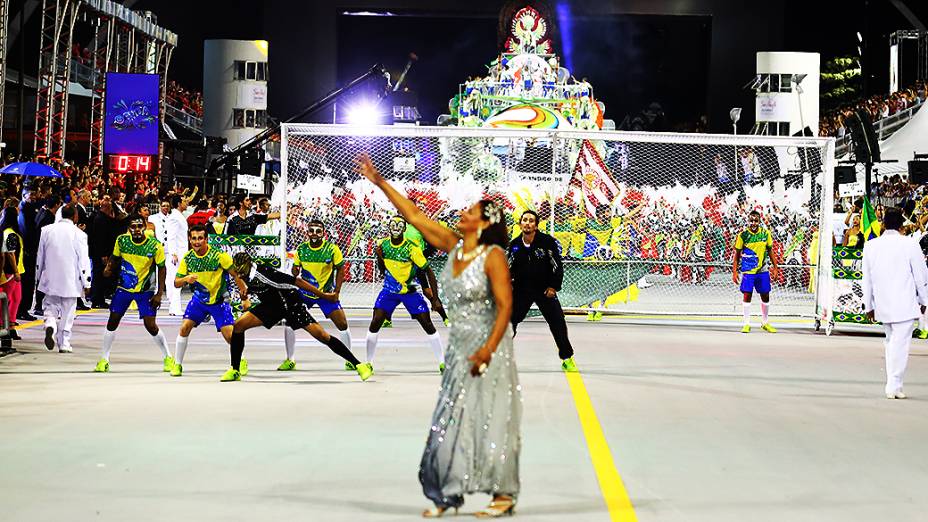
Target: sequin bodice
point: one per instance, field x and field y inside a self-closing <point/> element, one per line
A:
<point x="467" y="298"/>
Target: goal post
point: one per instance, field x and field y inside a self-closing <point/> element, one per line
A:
<point x="646" y="222"/>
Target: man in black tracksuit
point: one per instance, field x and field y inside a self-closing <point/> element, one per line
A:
<point x="537" y="273"/>
<point x="279" y="299"/>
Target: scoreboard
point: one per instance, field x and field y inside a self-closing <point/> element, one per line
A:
<point x="130" y="163"/>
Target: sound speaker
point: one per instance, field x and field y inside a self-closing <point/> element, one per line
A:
<point x="918" y="172"/>
<point x="845" y="174"/>
<point x="866" y="144"/>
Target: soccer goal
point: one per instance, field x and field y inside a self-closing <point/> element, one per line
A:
<point x="646" y="222"/>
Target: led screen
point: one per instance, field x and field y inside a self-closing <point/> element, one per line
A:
<point x="131" y="123"/>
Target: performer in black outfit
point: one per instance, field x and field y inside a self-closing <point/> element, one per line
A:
<point x="537" y="273"/>
<point x="279" y="299"/>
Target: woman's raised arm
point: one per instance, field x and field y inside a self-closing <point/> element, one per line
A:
<point x="436" y="234"/>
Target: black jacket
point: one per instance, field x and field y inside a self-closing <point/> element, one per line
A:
<point x="44" y="218"/>
<point x="538" y="266"/>
<point x="102" y="235"/>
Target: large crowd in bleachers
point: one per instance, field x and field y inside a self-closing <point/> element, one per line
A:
<point x="188" y="100"/>
<point x="878" y="106"/>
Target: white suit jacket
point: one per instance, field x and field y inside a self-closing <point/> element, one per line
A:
<point x="895" y="278"/>
<point x="176" y="225"/>
<point x="161" y="227"/>
<point x="63" y="266"/>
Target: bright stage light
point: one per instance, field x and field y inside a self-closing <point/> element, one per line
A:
<point x="365" y="114"/>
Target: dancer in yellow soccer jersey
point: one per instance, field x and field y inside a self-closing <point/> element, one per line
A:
<point x="205" y="269"/>
<point x="399" y="258"/>
<point x="139" y="258"/>
<point x="320" y="263"/>
<point x="753" y="247"/>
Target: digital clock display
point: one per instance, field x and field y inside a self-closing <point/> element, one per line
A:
<point x="130" y="163"/>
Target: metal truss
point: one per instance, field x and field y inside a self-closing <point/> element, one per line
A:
<point x="102" y="56"/>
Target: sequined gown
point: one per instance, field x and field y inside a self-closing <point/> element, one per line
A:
<point x="473" y="443"/>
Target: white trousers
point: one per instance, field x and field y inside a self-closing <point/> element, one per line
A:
<point x="59" y="316"/>
<point x="898" y="339"/>
<point x="173" y="293"/>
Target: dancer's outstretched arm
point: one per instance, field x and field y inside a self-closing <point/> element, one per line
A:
<point x="436" y="234"/>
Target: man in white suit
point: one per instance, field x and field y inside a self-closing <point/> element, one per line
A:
<point x="63" y="272"/>
<point x="175" y="248"/>
<point x="160" y="219"/>
<point x="895" y="283"/>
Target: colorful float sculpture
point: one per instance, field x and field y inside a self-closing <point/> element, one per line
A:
<point x="526" y="87"/>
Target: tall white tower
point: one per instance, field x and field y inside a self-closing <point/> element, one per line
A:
<point x="787" y="88"/>
<point x="235" y="78"/>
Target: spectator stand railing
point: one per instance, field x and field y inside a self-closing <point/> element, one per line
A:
<point x="183" y="118"/>
<point x="884" y="128"/>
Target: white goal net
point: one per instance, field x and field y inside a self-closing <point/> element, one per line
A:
<point x="646" y="222"/>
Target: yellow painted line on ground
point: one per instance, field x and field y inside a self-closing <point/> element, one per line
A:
<point x="39" y="322"/>
<point x="610" y="483"/>
<point x="791" y="320"/>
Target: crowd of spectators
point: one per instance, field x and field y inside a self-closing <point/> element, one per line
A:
<point x="103" y="203"/>
<point x="890" y="191"/>
<point x="185" y="99"/>
<point x="878" y="107"/>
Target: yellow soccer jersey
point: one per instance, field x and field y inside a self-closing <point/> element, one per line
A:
<point x="210" y="269"/>
<point x="401" y="262"/>
<point x="317" y="265"/>
<point x="754" y="249"/>
<point x="139" y="260"/>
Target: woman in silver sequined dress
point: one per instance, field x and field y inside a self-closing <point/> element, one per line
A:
<point x="473" y="442"/>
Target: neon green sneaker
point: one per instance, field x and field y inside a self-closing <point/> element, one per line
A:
<point x="243" y="367"/>
<point x="286" y="366"/>
<point x="387" y="324"/>
<point x="768" y="328"/>
<point x="350" y="367"/>
<point x="168" y="362"/>
<point x="365" y="370"/>
<point x="746" y="328"/>
<point x="923" y="334"/>
<point x="231" y="375"/>
<point x="447" y="322"/>
<point x="177" y="370"/>
<point x="594" y="316"/>
<point x="569" y="366"/>
<point x="102" y="366"/>
<point x="441" y="368"/>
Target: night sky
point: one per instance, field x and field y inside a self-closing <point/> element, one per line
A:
<point x="631" y="60"/>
